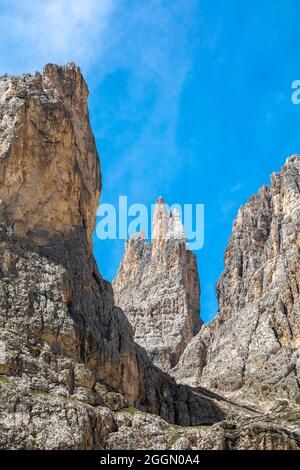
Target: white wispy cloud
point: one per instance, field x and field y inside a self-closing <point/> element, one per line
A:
<point x="34" y="32"/>
<point x="155" y="42"/>
<point x="236" y="187"/>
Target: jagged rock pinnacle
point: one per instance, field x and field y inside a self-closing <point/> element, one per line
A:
<point x="166" y="225"/>
<point x="68" y="360"/>
<point x="175" y="227"/>
<point x="158" y="288"/>
<point x="160" y="221"/>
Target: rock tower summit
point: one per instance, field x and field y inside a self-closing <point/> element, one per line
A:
<point x="158" y="288"/>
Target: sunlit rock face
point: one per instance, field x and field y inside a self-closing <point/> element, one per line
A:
<point x="254" y="344"/>
<point x="49" y="172"/>
<point x="257" y="338"/>
<point x="157" y="286"/>
<point x="58" y="324"/>
<point x="192" y="361"/>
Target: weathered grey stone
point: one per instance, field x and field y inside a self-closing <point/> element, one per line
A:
<point x="255" y="338"/>
<point x="273" y="430"/>
<point x="33" y="419"/>
<point x="157" y="287"/>
<point x="37" y="420"/>
<point x="193" y="359"/>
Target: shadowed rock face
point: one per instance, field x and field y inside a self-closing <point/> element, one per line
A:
<point x="60" y="332"/>
<point x="190" y="366"/>
<point x="255" y="339"/>
<point x="157" y="287"/>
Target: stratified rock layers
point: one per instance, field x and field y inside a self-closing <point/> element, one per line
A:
<point x="157" y="287"/>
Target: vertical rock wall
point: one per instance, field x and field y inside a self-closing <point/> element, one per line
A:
<point x="254" y="344"/>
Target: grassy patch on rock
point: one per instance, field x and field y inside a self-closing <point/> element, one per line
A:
<point x="129" y="409"/>
<point x="6" y="380"/>
<point x="174" y="432"/>
<point x="38" y="393"/>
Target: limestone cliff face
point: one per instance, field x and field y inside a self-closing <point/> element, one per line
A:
<point x="157" y="287"/>
<point x="49" y="173"/>
<point x="255" y="338"/>
<point x="61" y="335"/>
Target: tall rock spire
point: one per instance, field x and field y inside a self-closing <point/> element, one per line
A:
<point x="68" y="361"/>
<point x="160" y="223"/>
<point x="166" y="225"/>
<point x="158" y="288"/>
<point x="175" y="227"/>
<point x="50" y="178"/>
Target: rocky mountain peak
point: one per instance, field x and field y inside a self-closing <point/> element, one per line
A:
<point x="292" y="159"/>
<point x="68" y="360"/>
<point x="49" y="174"/>
<point x="160" y="220"/>
<point x="167" y="224"/>
<point x="158" y="288"/>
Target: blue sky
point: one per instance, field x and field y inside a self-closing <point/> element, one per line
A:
<point x="189" y="99"/>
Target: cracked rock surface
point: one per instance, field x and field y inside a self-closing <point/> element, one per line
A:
<point x="32" y="419"/>
<point x="157" y="286"/>
<point x="254" y="341"/>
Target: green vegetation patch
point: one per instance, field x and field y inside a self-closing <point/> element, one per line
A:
<point x="129" y="409"/>
<point x="38" y="393"/>
<point x="174" y="439"/>
<point x="6" y="380"/>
